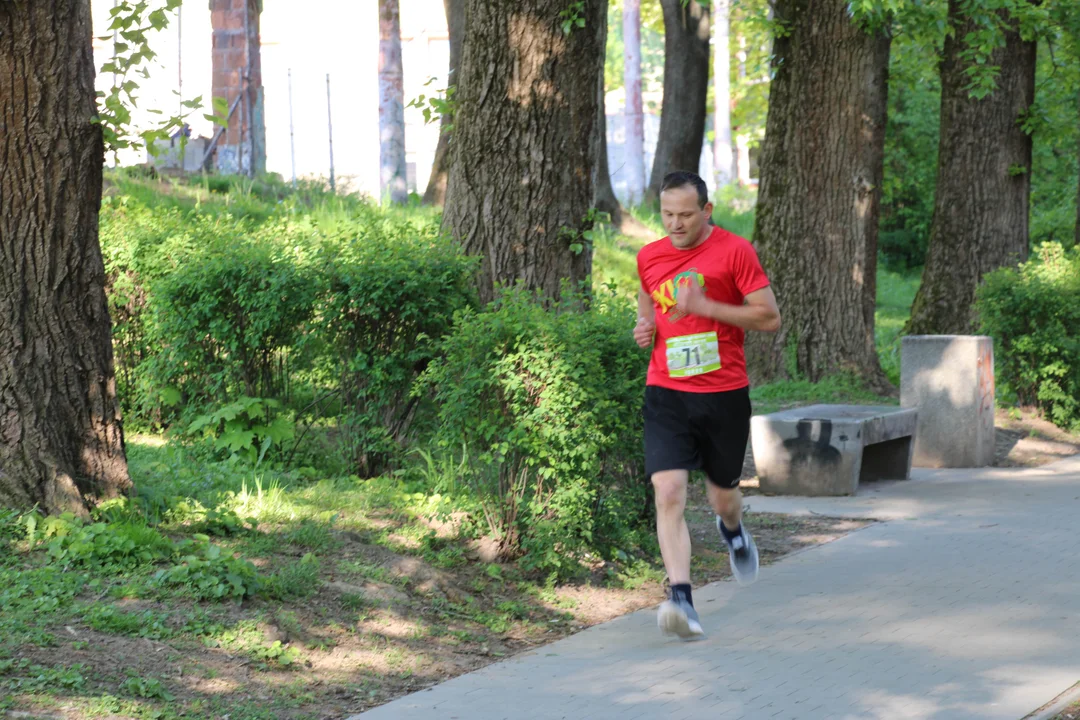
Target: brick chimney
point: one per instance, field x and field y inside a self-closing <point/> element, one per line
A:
<point x="238" y="78"/>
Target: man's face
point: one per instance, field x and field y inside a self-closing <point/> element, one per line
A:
<point x="685" y="222"/>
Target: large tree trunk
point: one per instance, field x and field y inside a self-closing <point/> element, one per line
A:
<point x="723" y="150"/>
<point x="633" y="112"/>
<point x="523" y="176"/>
<point x="686" y="87"/>
<point x="1078" y="191"/>
<point x="980" y="218"/>
<point x="61" y="442"/>
<point x="440" y="167"/>
<point x="817" y="210"/>
<point x="392" y="174"/>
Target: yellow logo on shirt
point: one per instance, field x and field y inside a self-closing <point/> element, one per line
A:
<point x="665" y="295"/>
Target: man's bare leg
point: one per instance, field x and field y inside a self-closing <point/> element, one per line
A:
<point x="676" y="615"/>
<point x="671" y="531"/>
<point x="727" y="504"/>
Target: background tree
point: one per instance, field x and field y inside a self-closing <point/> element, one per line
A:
<point x="723" y="157"/>
<point x="633" y="112"/>
<point x="61" y="440"/>
<point x="523" y="177"/>
<point x="392" y="179"/>
<point x="686" y="86"/>
<point x="817" y="210"/>
<point x="440" y="166"/>
<point x="981" y="202"/>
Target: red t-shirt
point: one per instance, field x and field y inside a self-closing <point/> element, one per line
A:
<point x="728" y="268"/>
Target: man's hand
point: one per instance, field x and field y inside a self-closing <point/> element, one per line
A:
<point x="690" y="297"/>
<point x="643" y="332"/>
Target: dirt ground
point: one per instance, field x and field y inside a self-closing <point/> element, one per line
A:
<point x="416" y="626"/>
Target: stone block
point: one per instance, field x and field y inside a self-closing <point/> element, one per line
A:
<point x="830" y="449"/>
<point x="950" y="379"/>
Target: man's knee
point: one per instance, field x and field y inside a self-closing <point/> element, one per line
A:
<point x="670" y="488"/>
<point x="725" y="501"/>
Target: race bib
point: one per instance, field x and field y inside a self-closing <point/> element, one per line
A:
<point x="689" y="355"/>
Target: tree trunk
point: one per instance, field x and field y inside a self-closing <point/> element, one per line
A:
<point x="392" y="172"/>
<point x="980" y="220"/>
<point x="523" y="176"/>
<point x="817" y="209"/>
<point x="605" y="201"/>
<point x="61" y="441"/>
<point x="440" y="167"/>
<point x="633" y="112"/>
<point x="686" y="86"/>
<point x="723" y="154"/>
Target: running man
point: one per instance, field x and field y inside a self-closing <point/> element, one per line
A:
<point x="701" y="289"/>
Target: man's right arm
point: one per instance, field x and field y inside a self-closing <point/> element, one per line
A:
<point x="644" y="331"/>
<point x="645" y="309"/>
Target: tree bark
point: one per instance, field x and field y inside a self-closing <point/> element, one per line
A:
<point x="633" y="112"/>
<point x="686" y="86"/>
<point x="817" y="210"/>
<point x="391" y="105"/>
<point x="723" y="149"/>
<point x="523" y="176"/>
<point x="61" y="441"/>
<point x="440" y="167"/>
<point x="1078" y="194"/>
<point x="980" y="220"/>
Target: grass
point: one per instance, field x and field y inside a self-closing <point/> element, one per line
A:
<point x="895" y="293"/>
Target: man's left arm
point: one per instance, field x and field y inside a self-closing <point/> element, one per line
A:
<point x="758" y="311"/>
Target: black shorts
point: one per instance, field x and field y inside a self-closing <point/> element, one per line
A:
<point x="697" y="431"/>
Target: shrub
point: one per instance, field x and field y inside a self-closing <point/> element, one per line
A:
<point x="226" y="320"/>
<point x="208" y="573"/>
<point x="547" y="403"/>
<point x="245" y="428"/>
<point x="390" y="294"/>
<point x="1033" y="314"/>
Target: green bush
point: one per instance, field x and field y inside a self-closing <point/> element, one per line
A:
<point x="247" y="428"/>
<point x="72" y="543"/>
<point x="197" y="564"/>
<point x="226" y="319"/>
<point x="390" y="293"/>
<point x="547" y="404"/>
<point x="209" y="574"/>
<point x="1033" y="314"/>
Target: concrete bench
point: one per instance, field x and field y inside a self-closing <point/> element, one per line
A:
<point x="829" y="449"/>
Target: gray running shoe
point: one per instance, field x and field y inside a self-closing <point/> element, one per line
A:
<point x="744" y="556"/>
<point x="678" y="617"/>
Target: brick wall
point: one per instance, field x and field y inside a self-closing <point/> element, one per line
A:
<point x="242" y="147"/>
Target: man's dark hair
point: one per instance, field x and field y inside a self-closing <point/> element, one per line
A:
<point x="682" y="178"/>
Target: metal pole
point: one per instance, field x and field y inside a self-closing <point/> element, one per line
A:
<point x="292" y="143"/>
<point x="115" y="39"/>
<point x="180" y="55"/>
<point x="245" y="87"/>
<point x="330" y="125"/>
<point x="180" y="83"/>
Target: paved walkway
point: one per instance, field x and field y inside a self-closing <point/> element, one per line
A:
<point x="964" y="604"/>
